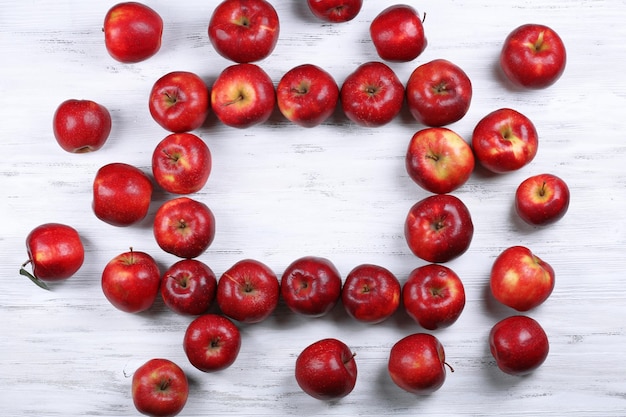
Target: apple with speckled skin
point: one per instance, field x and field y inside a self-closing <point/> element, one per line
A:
<point x="372" y="95"/>
<point x="243" y="95"/>
<point x="533" y="56"/>
<point x="188" y="287"/>
<point x="244" y="30"/>
<point x="438" y="93"/>
<point x="181" y="163"/>
<point x="307" y="95"/>
<point x="159" y="388"/>
<point x="326" y="370"/>
<point x="439" y="228"/>
<point x="212" y="342"/>
<point x="81" y="126"/>
<point x="417" y="364"/>
<point x="248" y="291"/>
<point x="122" y="194"/>
<point x="371" y="293"/>
<point x="398" y="34"/>
<point x="184" y="227"/>
<point x="55" y="251"/>
<point x="179" y="101"/>
<point x="505" y="140"/>
<point x="433" y="296"/>
<point x="519" y="345"/>
<point x="335" y="11"/>
<point x="439" y="160"/>
<point x="311" y="286"/>
<point x="542" y="199"/>
<point x="130" y="281"/>
<point x="132" y="32"/>
<point x="520" y="279"/>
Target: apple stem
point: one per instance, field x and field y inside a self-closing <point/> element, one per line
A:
<point x="350" y="358"/>
<point x="449" y="366"/>
<point x="32" y="277"/>
<point x="542" y="190"/>
<point x="424" y="18"/>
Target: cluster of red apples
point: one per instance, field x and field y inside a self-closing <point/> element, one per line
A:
<point x="438" y="228"/>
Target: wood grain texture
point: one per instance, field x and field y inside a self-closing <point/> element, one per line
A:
<point x="340" y="191"/>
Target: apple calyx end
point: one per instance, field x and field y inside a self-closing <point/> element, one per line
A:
<point x="32" y="277"/>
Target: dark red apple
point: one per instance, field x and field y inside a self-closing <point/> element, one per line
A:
<point x="121" y="194"/>
<point x="248" y="291"/>
<point x="181" y="163"/>
<point x="505" y="140"/>
<point x="243" y="95"/>
<point x="372" y="95"/>
<point x="184" y="227"/>
<point x="519" y="345"/>
<point x="439" y="160"/>
<point x="130" y="281"/>
<point x="132" y="32"/>
<point x="434" y="296"/>
<point x="398" y="34"/>
<point x="159" y="388"/>
<point x="188" y="287"/>
<point x="438" y="93"/>
<point x="311" y="286"/>
<point x="244" y="30"/>
<point x="307" y="95"/>
<point x="335" y="11"/>
<point x="542" y="199"/>
<point x="533" y="56"/>
<point x="439" y="228"/>
<point x="326" y="370"/>
<point x="55" y="251"/>
<point x="212" y="342"/>
<point x="81" y="126"/>
<point x="417" y="364"/>
<point x="371" y="293"/>
<point x="179" y="101"/>
<point x="520" y="279"/>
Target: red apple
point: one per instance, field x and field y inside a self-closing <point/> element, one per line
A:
<point x="55" y="252"/>
<point x="248" y="291"/>
<point x="518" y="344"/>
<point x="81" y="125"/>
<point x="244" y="30"/>
<point x="417" y="364"/>
<point x="243" y="95"/>
<point x="188" y="287"/>
<point x="434" y="296"/>
<point x="397" y="33"/>
<point x="438" y="93"/>
<point x="370" y="293"/>
<point x="335" y="11"/>
<point x="132" y="32"/>
<point x="307" y="95"/>
<point x="542" y="199"/>
<point x="439" y="228"/>
<point x="326" y="370"/>
<point x="121" y="194"/>
<point x="439" y="160"/>
<point x="130" y="281"/>
<point x="520" y="279"/>
<point x="533" y="56"/>
<point x="505" y="140"/>
<point x="179" y="101"/>
<point x="372" y="95"/>
<point x="181" y="163"/>
<point x="212" y="342"/>
<point x="159" y="388"/>
<point x="184" y="227"/>
<point x="311" y="286"/>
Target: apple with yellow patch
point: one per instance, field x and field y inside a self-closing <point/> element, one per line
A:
<point x="520" y="279"/>
<point x="439" y="160"/>
<point x="505" y="140"/>
<point x="542" y="199"/>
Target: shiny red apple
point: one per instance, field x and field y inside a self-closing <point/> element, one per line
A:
<point x="519" y="345"/>
<point x="542" y="199"/>
<point x="398" y="34"/>
<point x="335" y="11"/>
<point x="212" y="342"/>
<point x="81" y="126"/>
<point x="159" y="388"/>
<point x="188" y="287"/>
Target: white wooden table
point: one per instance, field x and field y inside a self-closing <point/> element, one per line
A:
<point x="340" y="191"/>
